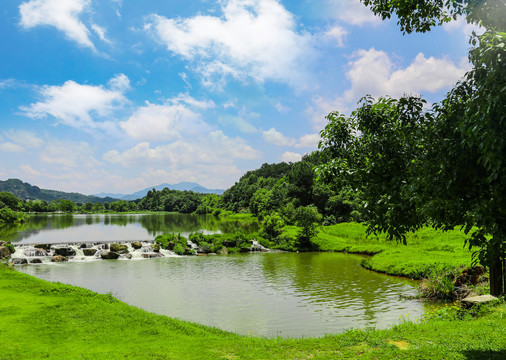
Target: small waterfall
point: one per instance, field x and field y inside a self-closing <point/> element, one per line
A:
<point x="86" y="251"/>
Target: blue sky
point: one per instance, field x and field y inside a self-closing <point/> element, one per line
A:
<point x="118" y="95"/>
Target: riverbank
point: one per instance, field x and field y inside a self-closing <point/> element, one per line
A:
<point x="428" y="251"/>
<point x="56" y="321"/>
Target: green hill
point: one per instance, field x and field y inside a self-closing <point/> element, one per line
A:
<point x="26" y="191"/>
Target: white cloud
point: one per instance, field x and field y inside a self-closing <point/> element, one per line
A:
<point x="252" y="39"/>
<point x="29" y="171"/>
<point x="71" y="154"/>
<point x="189" y="154"/>
<point x="336" y="34"/>
<point x="63" y="15"/>
<point x="308" y="141"/>
<point x="282" y="109"/>
<point x="25" y="138"/>
<point x="100" y="31"/>
<point x="79" y="105"/>
<point x="350" y="11"/>
<point x="168" y="121"/>
<point x="461" y="25"/>
<point x="10" y="147"/>
<point x="238" y="122"/>
<point x="373" y="72"/>
<point x="273" y="136"/>
<point x="291" y="157"/>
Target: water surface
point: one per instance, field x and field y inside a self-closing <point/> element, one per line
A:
<point x="268" y="294"/>
<point x="61" y="228"/>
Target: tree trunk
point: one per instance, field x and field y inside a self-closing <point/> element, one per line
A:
<point x="497" y="278"/>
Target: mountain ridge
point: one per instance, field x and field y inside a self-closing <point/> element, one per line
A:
<point x="182" y="186"/>
<point x="26" y="191"/>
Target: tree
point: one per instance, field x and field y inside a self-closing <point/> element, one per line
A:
<point x="66" y="206"/>
<point x="272" y="226"/>
<point x="307" y="218"/>
<point x="443" y="167"/>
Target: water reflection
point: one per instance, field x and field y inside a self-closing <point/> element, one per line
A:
<point x="285" y="294"/>
<point x="65" y="228"/>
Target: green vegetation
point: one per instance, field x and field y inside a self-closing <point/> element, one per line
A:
<point x="439" y="167"/>
<point x="28" y="192"/>
<point x="66" y="322"/>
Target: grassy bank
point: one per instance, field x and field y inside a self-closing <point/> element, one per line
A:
<point x="427" y="251"/>
<point x="55" y="321"/>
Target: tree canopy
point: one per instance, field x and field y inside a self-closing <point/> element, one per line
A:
<point x="445" y="166"/>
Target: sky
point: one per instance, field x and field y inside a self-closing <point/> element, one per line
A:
<point x="120" y="95"/>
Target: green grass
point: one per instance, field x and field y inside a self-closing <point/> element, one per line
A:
<point x="428" y="251"/>
<point x="46" y="320"/>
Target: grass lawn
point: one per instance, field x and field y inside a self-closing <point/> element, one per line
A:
<point x="42" y="320"/>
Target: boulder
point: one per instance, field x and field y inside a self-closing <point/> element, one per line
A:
<point x="89" y="252"/>
<point x="110" y="255"/>
<point x="170" y="245"/>
<point x="46" y="247"/>
<point x="35" y="261"/>
<point x="65" y="251"/>
<point x="151" y="255"/>
<point x="119" y="248"/>
<point x="19" y="261"/>
<point x="156" y="247"/>
<point x="83" y="246"/>
<point x="136" y="245"/>
<point x="473" y="300"/>
<point x="59" y="258"/>
<point x="4" y="252"/>
<point x="223" y="251"/>
<point x="126" y="256"/>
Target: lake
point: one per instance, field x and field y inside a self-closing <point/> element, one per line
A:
<point x="264" y="294"/>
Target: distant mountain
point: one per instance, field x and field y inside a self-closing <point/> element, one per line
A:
<point x="26" y="191"/>
<point x="182" y="186"/>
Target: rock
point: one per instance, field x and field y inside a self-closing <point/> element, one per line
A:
<point x="59" y="258"/>
<point x="89" y="252"/>
<point x="19" y="261"/>
<point x="171" y="245"/>
<point x="46" y="247"/>
<point x="66" y="251"/>
<point x="35" y="261"/>
<point x="126" y="256"/>
<point x="83" y="246"/>
<point x="473" y="300"/>
<point x="201" y="254"/>
<point x="151" y="255"/>
<point x="223" y="251"/>
<point x="119" y="248"/>
<point x="156" y="247"/>
<point x="110" y="255"/>
<point x="136" y="245"/>
<point x="4" y="252"/>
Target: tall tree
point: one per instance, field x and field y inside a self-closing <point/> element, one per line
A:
<point x="443" y="167"/>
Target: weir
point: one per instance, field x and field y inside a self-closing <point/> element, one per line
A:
<point x="87" y="251"/>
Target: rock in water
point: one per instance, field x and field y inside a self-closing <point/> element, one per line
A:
<point x="89" y="252"/>
<point x="4" y="252"/>
<point x="20" y="261"/>
<point x="110" y="255"/>
<point x="66" y="251"/>
<point x="59" y="258"/>
<point x="136" y="245"/>
<point x="119" y="248"/>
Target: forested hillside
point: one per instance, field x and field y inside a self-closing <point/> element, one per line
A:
<point x="26" y="191"/>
